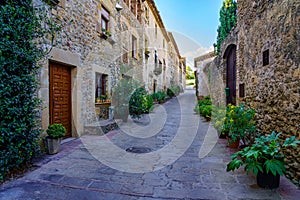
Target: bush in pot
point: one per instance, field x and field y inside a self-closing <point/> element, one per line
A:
<point x="121" y="97"/>
<point x="140" y="103"/>
<point x="265" y="158"/>
<point x="240" y="124"/>
<point x="55" y="132"/>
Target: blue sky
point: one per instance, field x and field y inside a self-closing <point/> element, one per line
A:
<point x="194" y="24"/>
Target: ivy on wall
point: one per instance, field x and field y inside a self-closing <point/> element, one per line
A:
<point x="22" y="33"/>
<point x="228" y="19"/>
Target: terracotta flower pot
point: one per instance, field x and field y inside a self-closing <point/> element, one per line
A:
<point x="233" y="144"/>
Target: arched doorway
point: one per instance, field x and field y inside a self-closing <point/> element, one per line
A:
<point x="230" y="56"/>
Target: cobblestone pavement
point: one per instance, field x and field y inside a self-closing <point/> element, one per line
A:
<point x="181" y="169"/>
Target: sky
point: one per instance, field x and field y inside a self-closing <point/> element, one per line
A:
<point x="194" y="24"/>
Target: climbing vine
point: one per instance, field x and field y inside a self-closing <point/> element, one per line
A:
<point x="22" y="46"/>
<point x="228" y="19"/>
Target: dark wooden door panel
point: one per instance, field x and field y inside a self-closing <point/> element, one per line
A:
<point x="60" y="96"/>
<point x="231" y="76"/>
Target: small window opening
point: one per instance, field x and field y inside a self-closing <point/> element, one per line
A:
<point x="266" y="57"/>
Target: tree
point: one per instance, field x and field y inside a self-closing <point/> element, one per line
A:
<point x="228" y="19"/>
<point x="189" y="73"/>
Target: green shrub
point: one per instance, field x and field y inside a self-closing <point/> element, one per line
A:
<point x="174" y="91"/>
<point x="204" y="107"/>
<point x="240" y="123"/>
<point x="56" y="131"/>
<point x="160" y="96"/>
<point x="218" y="118"/>
<point x="140" y="103"/>
<point x="121" y="96"/>
<point x="206" y="110"/>
<point x="170" y="93"/>
<point x="149" y="103"/>
<point x="20" y="50"/>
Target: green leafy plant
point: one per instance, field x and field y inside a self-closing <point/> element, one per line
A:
<point x="170" y="93"/>
<point x="240" y="123"/>
<point x="121" y="96"/>
<point x="265" y="155"/>
<point x="173" y="91"/>
<point x="159" y="96"/>
<point x="204" y="107"/>
<point x="106" y="32"/>
<point x="56" y="131"/>
<point x="218" y="118"/>
<point x="22" y="37"/>
<point x="140" y="103"/>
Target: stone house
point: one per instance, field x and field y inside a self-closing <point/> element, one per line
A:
<point x="101" y="42"/>
<point x="259" y="62"/>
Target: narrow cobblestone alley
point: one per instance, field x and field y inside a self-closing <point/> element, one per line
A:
<point x="175" y="166"/>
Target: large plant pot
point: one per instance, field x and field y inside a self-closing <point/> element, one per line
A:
<point x="53" y="145"/>
<point x="267" y="180"/>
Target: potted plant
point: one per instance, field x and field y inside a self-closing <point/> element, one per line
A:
<point x="265" y="158"/>
<point x="98" y="100"/>
<point x="105" y="34"/>
<point x="218" y="121"/>
<point x="55" y="132"/>
<point x="121" y="97"/>
<point x="240" y="123"/>
<point x="147" y="53"/>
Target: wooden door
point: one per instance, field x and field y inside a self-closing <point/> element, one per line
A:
<point x="231" y="75"/>
<point x="60" y="96"/>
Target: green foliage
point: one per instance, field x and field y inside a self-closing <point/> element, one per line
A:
<point x="204" y="107"/>
<point x="189" y="73"/>
<point x="159" y="96"/>
<point x="228" y="19"/>
<point x="240" y="123"/>
<point x="140" y="103"/>
<point x="173" y="91"/>
<point x="149" y="103"/>
<point x="218" y="118"/>
<point x="21" y="35"/>
<point x="56" y="131"/>
<point x="121" y="96"/>
<point x="264" y="155"/>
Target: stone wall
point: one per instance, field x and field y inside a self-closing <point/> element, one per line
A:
<point x="201" y="64"/>
<point x="272" y="88"/>
<point x="82" y="47"/>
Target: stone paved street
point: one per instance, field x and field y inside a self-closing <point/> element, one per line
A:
<point x="98" y="167"/>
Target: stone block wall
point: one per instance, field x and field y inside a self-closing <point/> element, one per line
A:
<point x="273" y="87"/>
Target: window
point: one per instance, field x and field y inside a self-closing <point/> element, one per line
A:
<point x="139" y="11"/>
<point x="242" y="90"/>
<point x="147" y="15"/>
<point x="134" y="47"/>
<point x="133" y="6"/>
<point x="125" y="56"/>
<point x="104" y="19"/>
<point x="266" y="57"/>
<point x="155" y="58"/>
<point x="101" y="85"/>
<point x="155" y="30"/>
<point x="163" y="43"/>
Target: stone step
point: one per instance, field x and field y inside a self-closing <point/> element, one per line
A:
<point x="101" y="127"/>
